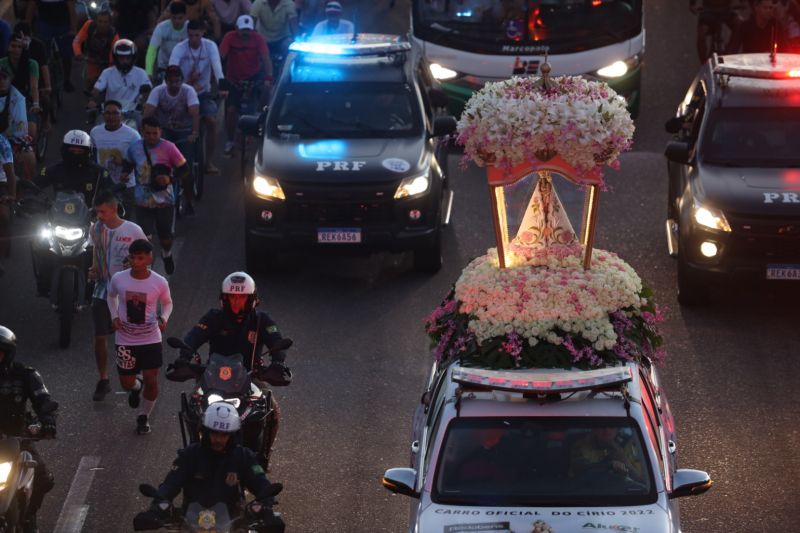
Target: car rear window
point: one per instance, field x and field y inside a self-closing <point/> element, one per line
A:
<point x="543" y="462"/>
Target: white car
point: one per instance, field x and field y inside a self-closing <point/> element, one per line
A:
<point x="541" y="450"/>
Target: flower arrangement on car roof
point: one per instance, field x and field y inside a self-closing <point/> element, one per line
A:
<point x="544" y="298"/>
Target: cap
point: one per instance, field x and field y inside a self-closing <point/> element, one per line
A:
<point x="245" y="22"/>
<point x="333" y="7"/>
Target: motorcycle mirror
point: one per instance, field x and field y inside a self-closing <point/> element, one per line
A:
<point x="274" y="489"/>
<point x="48" y="407"/>
<point x="175" y="342"/>
<point x="148" y="490"/>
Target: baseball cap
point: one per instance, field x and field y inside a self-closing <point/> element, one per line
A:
<point x="245" y="22"/>
<point x="333" y="7"/>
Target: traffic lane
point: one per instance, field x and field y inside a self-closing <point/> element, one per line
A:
<point x="730" y="374"/>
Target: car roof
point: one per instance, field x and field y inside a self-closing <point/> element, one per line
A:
<point x="754" y="80"/>
<point x="375" y="58"/>
<point x="600" y="400"/>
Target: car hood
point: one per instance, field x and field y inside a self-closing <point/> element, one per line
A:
<point x="459" y="519"/>
<point x="751" y="191"/>
<point x="344" y="160"/>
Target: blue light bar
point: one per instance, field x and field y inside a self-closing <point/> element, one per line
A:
<point x="343" y="45"/>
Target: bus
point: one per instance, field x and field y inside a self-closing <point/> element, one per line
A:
<point x="468" y="43"/>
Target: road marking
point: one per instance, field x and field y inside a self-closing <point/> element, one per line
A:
<point x="74" y="512"/>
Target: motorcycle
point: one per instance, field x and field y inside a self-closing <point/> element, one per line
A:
<point x="16" y="478"/>
<point x="61" y="253"/>
<point x="225" y="378"/>
<point x="198" y="518"/>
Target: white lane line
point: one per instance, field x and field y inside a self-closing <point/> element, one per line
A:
<point x="73" y="514"/>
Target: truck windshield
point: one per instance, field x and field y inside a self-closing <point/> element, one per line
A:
<point x="524" y="26"/>
<point x="543" y="462"/>
<point x="345" y="110"/>
<point x="754" y="137"/>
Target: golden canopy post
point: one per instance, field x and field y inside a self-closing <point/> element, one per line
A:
<point x="590" y="204"/>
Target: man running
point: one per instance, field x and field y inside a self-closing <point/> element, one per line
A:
<point x="111" y="236"/>
<point x="198" y="58"/>
<point x="133" y="299"/>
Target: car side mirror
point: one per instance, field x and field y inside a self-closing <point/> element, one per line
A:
<point x="250" y="125"/>
<point x="444" y="126"/>
<point x="687" y="482"/>
<point x="674" y="125"/>
<point x="438" y="98"/>
<point x="401" y="481"/>
<point x="678" y="152"/>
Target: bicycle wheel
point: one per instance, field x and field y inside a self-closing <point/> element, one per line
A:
<point x="199" y="164"/>
<point x="41" y="140"/>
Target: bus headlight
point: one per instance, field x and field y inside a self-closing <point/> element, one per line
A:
<point x="267" y="188"/>
<point x="442" y="73"/>
<point x="618" y="68"/>
<point x="413" y="186"/>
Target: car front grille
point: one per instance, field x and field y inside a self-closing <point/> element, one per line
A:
<point x="775" y="239"/>
<point x="340" y="206"/>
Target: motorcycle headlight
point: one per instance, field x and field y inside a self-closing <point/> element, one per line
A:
<point x="45" y="234"/>
<point x="619" y="68"/>
<point x="5" y="470"/>
<point x="68" y="234"/>
<point x="442" y="73"/>
<point x="93" y="5"/>
<point x="267" y="188"/>
<point x="214" y="398"/>
<point x="710" y="217"/>
<point x="413" y="186"/>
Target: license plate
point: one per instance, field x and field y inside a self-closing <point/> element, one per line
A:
<point x="791" y="272"/>
<point x="339" y="235"/>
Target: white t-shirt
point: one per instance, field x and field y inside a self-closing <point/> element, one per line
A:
<point x="134" y="302"/>
<point x="124" y="88"/>
<point x="165" y="37"/>
<point x="173" y="111"/>
<point x="111" y="251"/>
<point x="198" y="64"/>
<point x="6" y="157"/>
<point x="323" y="28"/>
<point x="113" y="145"/>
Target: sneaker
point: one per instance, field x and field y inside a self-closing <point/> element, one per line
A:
<point x="135" y="397"/>
<point x="211" y="169"/>
<point x="169" y="265"/>
<point x="103" y="387"/>
<point x="142" y="425"/>
<point x="229" y="146"/>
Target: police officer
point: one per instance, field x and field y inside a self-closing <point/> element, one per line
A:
<point x="238" y="328"/>
<point x="77" y="172"/>
<point x="217" y="468"/>
<point x="18" y="385"/>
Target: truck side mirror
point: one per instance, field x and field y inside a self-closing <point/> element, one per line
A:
<point x="678" y="152"/>
<point x="444" y="126"/>
<point x="401" y="481"/>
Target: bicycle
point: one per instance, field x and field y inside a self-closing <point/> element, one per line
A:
<point x="56" y="79"/>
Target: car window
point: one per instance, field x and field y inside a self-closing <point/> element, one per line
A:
<point x="652" y="422"/>
<point x="543" y="461"/>
<point x="752" y="137"/>
<point x="695" y="113"/>
<point x="345" y="110"/>
<point x="432" y="431"/>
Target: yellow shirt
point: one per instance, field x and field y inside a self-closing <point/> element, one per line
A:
<point x="273" y="25"/>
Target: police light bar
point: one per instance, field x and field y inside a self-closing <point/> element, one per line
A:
<point x="542" y="382"/>
<point x="345" y="45"/>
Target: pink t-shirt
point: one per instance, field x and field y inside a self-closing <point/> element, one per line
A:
<point x="164" y="153"/>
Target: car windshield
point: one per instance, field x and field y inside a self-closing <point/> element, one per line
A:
<point x="543" y="461"/>
<point x="752" y="137"/>
<point x="562" y="25"/>
<point x="345" y="110"/>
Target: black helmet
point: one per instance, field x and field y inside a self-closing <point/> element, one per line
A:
<point x="124" y="48"/>
<point x="8" y="345"/>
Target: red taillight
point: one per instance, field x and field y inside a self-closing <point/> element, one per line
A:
<point x="596" y="3"/>
<point x="794" y="73"/>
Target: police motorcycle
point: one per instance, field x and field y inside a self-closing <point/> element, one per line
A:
<point x="197" y="518"/>
<point x="17" y="473"/>
<point x="224" y="378"/>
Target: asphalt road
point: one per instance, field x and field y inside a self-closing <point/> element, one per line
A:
<point x="360" y="351"/>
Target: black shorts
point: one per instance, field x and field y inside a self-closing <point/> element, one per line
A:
<point x="133" y="359"/>
<point x="101" y="317"/>
<point x="157" y="221"/>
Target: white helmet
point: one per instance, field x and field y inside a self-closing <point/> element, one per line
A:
<point x="238" y="283"/>
<point x="78" y="138"/>
<point x="221" y="417"/>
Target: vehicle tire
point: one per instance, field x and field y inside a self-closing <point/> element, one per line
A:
<point x="691" y="291"/>
<point x="429" y="260"/>
<point x="67" y="287"/>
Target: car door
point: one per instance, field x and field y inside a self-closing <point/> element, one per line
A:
<point x="692" y="111"/>
<point x="655" y="428"/>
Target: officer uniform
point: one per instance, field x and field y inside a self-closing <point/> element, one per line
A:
<point x="18" y="385"/>
<point x="208" y="477"/>
<point x="226" y="336"/>
<point x="85" y="178"/>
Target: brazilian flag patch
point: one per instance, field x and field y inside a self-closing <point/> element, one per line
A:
<point x="257" y="470"/>
<point x="272" y="329"/>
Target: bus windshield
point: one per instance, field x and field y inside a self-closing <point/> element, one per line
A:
<point x="526" y="26"/>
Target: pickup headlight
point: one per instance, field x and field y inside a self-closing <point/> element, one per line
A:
<point x="68" y="234"/>
<point x="413" y="186"/>
<point x="267" y="188"/>
<point x="442" y="73"/>
<point x="619" y="68"/>
<point x="5" y="470"/>
<point x="710" y="217"/>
